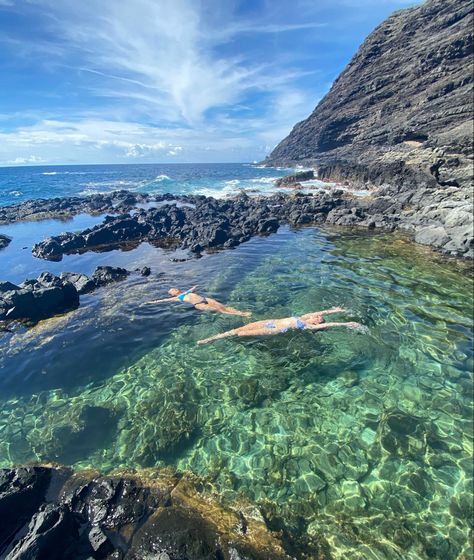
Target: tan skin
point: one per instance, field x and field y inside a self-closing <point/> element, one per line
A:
<point x="201" y="303"/>
<point x="310" y="321"/>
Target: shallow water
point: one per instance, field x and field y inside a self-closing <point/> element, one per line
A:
<point x="362" y="440"/>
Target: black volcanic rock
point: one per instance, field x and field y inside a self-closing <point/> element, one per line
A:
<point x="38" y="299"/>
<point x="296" y="178"/>
<point x="104" y="275"/>
<point x="53" y="513"/>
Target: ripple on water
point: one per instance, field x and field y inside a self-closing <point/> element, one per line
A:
<point x="360" y="441"/>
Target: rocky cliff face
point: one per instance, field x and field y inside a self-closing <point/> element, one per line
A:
<point x="400" y="118"/>
<point x="404" y="101"/>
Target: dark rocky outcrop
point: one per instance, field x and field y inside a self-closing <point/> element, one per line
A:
<point x="210" y="224"/>
<point x="38" y="299"/>
<point x="4" y="241"/>
<point x="206" y="224"/>
<point x="54" y="513"/>
<point x="400" y="117"/>
<point x="116" y="202"/>
<point x="51" y="295"/>
<point x="296" y="178"/>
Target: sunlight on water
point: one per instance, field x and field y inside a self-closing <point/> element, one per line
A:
<point x="364" y="440"/>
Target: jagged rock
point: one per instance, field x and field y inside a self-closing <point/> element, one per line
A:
<point x="81" y="282"/>
<point x="41" y="209"/>
<point x="37" y="299"/>
<point x="406" y="90"/>
<point x="52" y="513"/>
<point x="107" y="274"/>
<point x="295" y="179"/>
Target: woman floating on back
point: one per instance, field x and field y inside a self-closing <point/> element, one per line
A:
<point x="310" y="321"/>
<point x="200" y="302"/>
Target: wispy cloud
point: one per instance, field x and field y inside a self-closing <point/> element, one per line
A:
<point x="156" y="80"/>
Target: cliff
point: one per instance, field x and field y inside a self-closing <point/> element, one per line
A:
<point x="403" y="105"/>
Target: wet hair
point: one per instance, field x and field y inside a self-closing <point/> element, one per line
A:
<point x="174" y="291"/>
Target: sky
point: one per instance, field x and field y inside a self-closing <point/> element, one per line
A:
<point x="155" y="81"/>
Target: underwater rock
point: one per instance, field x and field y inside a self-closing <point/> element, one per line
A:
<point x="159" y="426"/>
<point x="155" y="514"/>
<point x="73" y="434"/>
<point x="402" y="434"/>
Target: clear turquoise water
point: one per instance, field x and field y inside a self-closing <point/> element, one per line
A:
<point x="360" y="441"/>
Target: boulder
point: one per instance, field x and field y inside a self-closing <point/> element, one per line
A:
<point x="107" y="274"/>
<point x="33" y="300"/>
<point x="81" y="282"/>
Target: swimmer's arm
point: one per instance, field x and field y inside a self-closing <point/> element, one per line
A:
<point x="193" y="288"/>
<point x="321" y="326"/>
<point x="160" y="300"/>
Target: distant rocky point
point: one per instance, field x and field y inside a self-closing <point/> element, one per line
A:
<point x="400" y="117"/>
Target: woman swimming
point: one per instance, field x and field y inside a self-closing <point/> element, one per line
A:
<point x="200" y="302"/>
<point x="310" y="321"/>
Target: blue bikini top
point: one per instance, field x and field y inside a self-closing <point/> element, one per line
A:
<point x="183" y="295"/>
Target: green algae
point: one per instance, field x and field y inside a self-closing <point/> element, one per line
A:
<point x="361" y="442"/>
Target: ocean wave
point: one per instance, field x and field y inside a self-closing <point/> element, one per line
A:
<point x="50" y="173"/>
<point x="15" y="193"/>
<point x="160" y="178"/>
<point x="113" y="184"/>
<point x="263" y="180"/>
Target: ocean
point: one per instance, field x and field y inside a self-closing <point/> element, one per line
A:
<point x="18" y="184"/>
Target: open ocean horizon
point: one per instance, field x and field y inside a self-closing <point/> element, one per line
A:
<point x="18" y="184"/>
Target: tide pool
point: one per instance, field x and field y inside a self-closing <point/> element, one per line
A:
<point x="358" y="445"/>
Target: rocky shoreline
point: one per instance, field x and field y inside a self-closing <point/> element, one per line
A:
<point x="441" y="219"/>
<point x="54" y="513"/>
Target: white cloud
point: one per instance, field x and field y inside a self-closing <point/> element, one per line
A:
<point x="24" y="160"/>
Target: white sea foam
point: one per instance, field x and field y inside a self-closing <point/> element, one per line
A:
<point x="15" y="193"/>
<point x="50" y="173"/>
<point x="160" y="178"/>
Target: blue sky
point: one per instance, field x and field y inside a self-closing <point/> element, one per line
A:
<point x="137" y="81"/>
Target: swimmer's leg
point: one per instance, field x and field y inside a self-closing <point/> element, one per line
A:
<point x="214" y="305"/>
